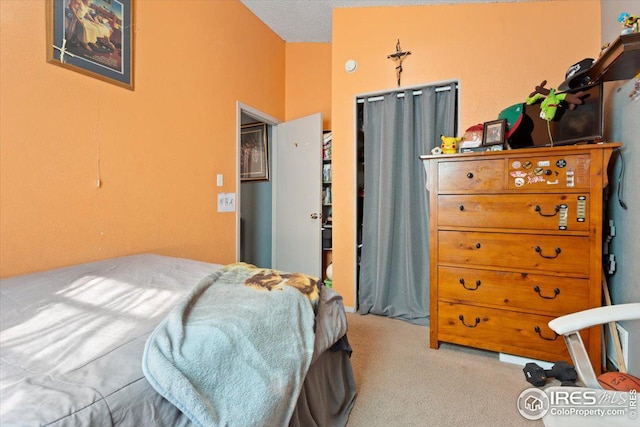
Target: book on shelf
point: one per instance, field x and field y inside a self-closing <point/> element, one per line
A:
<point x="326" y="146"/>
<point x="326" y="173"/>
<point x="326" y="196"/>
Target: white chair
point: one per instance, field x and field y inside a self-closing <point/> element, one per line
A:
<point x="569" y="326"/>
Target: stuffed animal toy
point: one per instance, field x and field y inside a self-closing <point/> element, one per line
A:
<point x="449" y="144"/>
<point x="552" y="100"/>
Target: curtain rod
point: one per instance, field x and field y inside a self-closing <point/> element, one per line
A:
<point x="401" y="94"/>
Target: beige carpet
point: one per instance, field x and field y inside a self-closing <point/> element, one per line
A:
<point x="402" y="382"/>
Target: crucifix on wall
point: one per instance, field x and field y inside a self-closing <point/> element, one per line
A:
<point x="398" y="57"/>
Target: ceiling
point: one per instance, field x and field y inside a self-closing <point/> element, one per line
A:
<point x="310" y="20"/>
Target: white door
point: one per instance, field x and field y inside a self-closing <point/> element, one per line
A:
<point x="297" y="196"/>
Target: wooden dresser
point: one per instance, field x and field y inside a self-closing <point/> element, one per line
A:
<point x="516" y="240"/>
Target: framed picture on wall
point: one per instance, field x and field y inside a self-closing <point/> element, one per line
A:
<point x="92" y="37"/>
<point x="494" y="131"/>
<point x="254" y="153"/>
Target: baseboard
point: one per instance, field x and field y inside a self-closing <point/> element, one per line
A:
<point x="518" y="360"/>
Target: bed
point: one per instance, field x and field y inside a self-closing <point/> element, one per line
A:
<point x="76" y="343"/>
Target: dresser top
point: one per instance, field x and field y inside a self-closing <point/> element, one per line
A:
<point x="562" y="149"/>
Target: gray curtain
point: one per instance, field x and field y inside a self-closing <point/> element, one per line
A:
<point x="394" y="259"/>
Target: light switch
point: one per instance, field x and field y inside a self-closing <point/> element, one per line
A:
<point x="220" y="180"/>
<point x="226" y="202"/>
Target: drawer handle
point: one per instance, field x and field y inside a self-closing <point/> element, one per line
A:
<point x="478" y="283"/>
<point x="537" y="329"/>
<point x="478" y="245"/>
<point x="556" y="291"/>
<point x="539" y="250"/>
<point x="461" y="207"/>
<point x="469" y="175"/>
<point x="461" y="317"/>
<point x="539" y="210"/>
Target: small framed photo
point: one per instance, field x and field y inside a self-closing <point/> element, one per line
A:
<point x="493" y="132"/>
<point x="92" y="37"/>
<point x="254" y="153"/>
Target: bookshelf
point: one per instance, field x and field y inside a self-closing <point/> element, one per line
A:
<point x="327" y="203"/>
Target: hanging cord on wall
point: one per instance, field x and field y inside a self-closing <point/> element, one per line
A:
<point x="623" y="205"/>
<point x="98" y="179"/>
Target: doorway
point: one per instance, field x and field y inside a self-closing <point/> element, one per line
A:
<point x="392" y="130"/>
<point x="254" y="220"/>
<point x="256" y="209"/>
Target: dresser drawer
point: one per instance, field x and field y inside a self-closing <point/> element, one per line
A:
<point x="548" y="172"/>
<point x="523" y="211"/>
<point x="554" y="295"/>
<point x="503" y="331"/>
<point x="550" y="253"/>
<point x="471" y="175"/>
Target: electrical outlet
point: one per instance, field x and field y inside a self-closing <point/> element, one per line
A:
<point x="624" y="343"/>
<point x="226" y="202"/>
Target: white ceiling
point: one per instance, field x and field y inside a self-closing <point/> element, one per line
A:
<point x="310" y="20"/>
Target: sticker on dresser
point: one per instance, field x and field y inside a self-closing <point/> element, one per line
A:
<point x="560" y="171"/>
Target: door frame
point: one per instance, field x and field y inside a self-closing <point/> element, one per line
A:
<point x="272" y="122"/>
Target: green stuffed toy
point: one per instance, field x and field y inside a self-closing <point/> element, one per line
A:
<point x="552" y="100"/>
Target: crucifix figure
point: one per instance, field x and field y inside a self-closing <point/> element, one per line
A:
<point x="398" y="57"/>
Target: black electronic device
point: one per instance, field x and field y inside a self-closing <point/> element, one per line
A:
<point x="582" y="125"/>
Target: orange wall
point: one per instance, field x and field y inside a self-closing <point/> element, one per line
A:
<point x="498" y="51"/>
<point x="159" y="147"/>
<point x="308" y="81"/>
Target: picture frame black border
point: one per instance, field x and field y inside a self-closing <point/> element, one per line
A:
<point x="502" y="123"/>
<point x="245" y="131"/>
